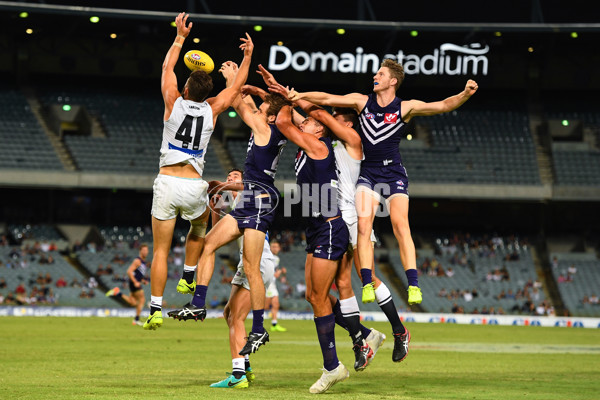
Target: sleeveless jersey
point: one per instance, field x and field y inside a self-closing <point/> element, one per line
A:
<point x="186" y="134"/>
<point x="381" y="130"/>
<point x="261" y="161"/>
<point x="348" y="170"/>
<point x="318" y="183"/>
<point x="141" y="271"/>
<point x="266" y="254"/>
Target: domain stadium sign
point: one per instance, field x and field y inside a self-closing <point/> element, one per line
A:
<point x="448" y="59"/>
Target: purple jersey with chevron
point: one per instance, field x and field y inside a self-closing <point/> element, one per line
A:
<point x="381" y="130"/>
<point x="318" y="183"/>
<point x="261" y="161"/>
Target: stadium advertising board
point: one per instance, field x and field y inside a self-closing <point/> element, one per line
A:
<point x="447" y="59"/>
<point x="469" y="319"/>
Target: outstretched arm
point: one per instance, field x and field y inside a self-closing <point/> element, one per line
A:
<point x="313" y="147"/>
<point x="416" y="108"/>
<point x="168" y="80"/>
<point x="356" y="101"/>
<point x="224" y="99"/>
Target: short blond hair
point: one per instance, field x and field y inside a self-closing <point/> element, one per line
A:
<point x="396" y="70"/>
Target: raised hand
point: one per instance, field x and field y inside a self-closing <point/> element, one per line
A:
<point x="247" y="45"/>
<point x="266" y="75"/>
<point x="471" y="87"/>
<point x="181" y="22"/>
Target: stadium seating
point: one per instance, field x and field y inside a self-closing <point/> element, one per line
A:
<point x="582" y="283"/>
<point x="474" y="275"/>
<point x="24" y="144"/>
<point x="476" y="147"/>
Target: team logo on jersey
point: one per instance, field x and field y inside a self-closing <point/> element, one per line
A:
<point x="369" y="115"/>
<point x="390" y="118"/>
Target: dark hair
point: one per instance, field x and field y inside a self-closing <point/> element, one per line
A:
<point x="396" y="70"/>
<point x="199" y="85"/>
<point x="276" y="103"/>
<point x="236" y="170"/>
<point x="349" y="115"/>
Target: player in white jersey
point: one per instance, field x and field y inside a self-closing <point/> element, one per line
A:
<point x="383" y="177"/>
<point x="272" y="293"/>
<point x="179" y="188"/>
<point x="238" y="307"/>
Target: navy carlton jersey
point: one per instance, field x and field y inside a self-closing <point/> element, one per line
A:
<point x="261" y="161"/>
<point x="318" y="183"/>
<point x="381" y="130"/>
<point x="141" y="271"/>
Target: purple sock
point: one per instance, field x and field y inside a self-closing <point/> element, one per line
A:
<point x="325" y="332"/>
<point x="199" y="299"/>
<point x="366" y="276"/>
<point x="257" y="321"/>
<point x="412" y="276"/>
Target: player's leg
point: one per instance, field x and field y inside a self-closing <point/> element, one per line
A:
<point x="347" y="307"/>
<point x="194" y="244"/>
<point x="275" y="326"/>
<point x="254" y="241"/>
<point x="367" y="202"/>
<point x="322" y="274"/>
<point x="398" y="206"/>
<point x="140" y="299"/>
<point x="235" y="313"/>
<point x="225" y="231"/>
<point x="162" y="233"/>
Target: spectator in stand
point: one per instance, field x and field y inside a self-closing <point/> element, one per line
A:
<point x="301" y="289"/>
<point x="554" y="262"/>
<point x="10" y="299"/>
<point x="442" y="292"/>
<point x="75" y="282"/>
<point x="61" y="282"/>
<point x="20" y="290"/>
<point x="100" y="270"/>
<point x="449" y="272"/>
<point x="593" y="299"/>
<point x="2" y="283"/>
<point x="572" y="270"/>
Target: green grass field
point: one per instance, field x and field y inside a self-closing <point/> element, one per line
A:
<point x="108" y="358"/>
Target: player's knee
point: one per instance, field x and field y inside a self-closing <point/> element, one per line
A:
<point x="401" y="228"/>
<point x="198" y="228"/>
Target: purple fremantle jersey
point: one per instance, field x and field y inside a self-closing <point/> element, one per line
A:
<point x="381" y="130"/>
<point x="318" y="183"/>
<point x="261" y="161"/>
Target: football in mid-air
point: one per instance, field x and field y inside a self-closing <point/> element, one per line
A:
<point x="198" y="60"/>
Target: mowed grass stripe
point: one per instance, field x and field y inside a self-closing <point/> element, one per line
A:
<point x="98" y="358"/>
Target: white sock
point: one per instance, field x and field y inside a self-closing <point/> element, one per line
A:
<point x="156" y="301"/>
<point x="273" y="322"/>
<point x="238" y="365"/>
<point x="349" y="307"/>
<point x="382" y="294"/>
<point x="189" y="268"/>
